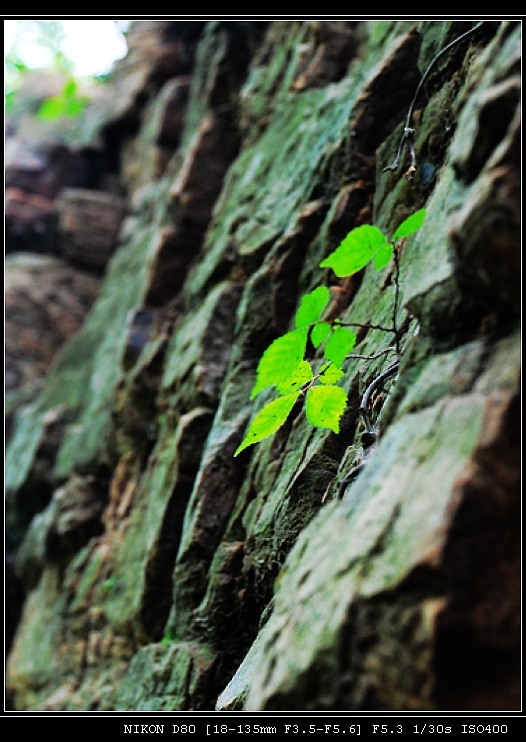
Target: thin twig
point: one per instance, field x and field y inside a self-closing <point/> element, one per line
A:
<point x="366" y="397"/>
<point x="380" y="353"/>
<point x="408" y="133"/>
<point x="396" y="279"/>
<point x="366" y="326"/>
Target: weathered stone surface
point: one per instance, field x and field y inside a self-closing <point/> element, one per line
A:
<point x="43" y="168"/>
<point x="88" y="226"/>
<point x="142" y="566"/>
<point x="197" y="357"/>
<point x="69" y="521"/>
<point x="171" y="113"/>
<point x="482" y="231"/>
<point x="46" y="301"/>
<point x="234" y="696"/>
<point x="35" y="662"/>
<point x="383" y="581"/>
<point x="29" y="221"/>
<point x="173" y="676"/>
<point x="157" y="51"/>
<point x="246" y="583"/>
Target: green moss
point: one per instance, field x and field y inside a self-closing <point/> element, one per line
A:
<point x="167" y="677"/>
<point x="130" y="556"/>
<point x="278" y="174"/>
<point x="84" y="571"/>
<point x="360" y="548"/>
<point x="36" y="663"/>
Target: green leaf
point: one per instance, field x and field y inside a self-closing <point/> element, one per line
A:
<point x="74" y="107"/>
<point x="319" y="333"/>
<point x="168" y="637"/>
<point x="312" y="306"/>
<point x="68" y="103"/>
<point x="70" y="89"/>
<point x="9" y="101"/>
<point x="325" y="405"/>
<point x="280" y="359"/>
<point x="51" y="109"/>
<point x="330" y="374"/>
<point x="410" y="225"/>
<point x="383" y="255"/>
<point x="340" y="343"/>
<point x="355" y="251"/>
<point x="302" y="375"/>
<point x="268" y="420"/>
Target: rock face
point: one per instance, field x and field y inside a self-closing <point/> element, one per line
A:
<point x="45" y="302"/>
<point x="162" y="573"/>
<point x="63" y="213"/>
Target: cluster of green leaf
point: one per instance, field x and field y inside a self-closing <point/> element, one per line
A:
<point x="68" y="103"/>
<point x="48" y="35"/>
<point x="283" y="365"/>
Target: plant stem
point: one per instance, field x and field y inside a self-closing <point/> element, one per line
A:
<point x="365" y="325"/>
<point x="409" y="133"/>
<point x="396" y="279"/>
<point x="380" y="353"/>
<point x="366" y="398"/>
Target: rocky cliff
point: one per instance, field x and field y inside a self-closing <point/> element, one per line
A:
<point x="161" y="573"/>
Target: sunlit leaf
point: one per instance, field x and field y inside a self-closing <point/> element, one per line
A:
<point x="69" y="103"/>
<point x="269" y="419"/>
<point x="312" y="306"/>
<point x="70" y="89"/>
<point x="325" y="406"/>
<point x="340" y="343"/>
<point x="74" y="107"/>
<point x="330" y="374"/>
<point x="9" y="101"/>
<point x="355" y="251"/>
<point x="51" y="109"/>
<point x="410" y="225"/>
<point x="302" y="375"/>
<point x="383" y="255"/>
<point x="280" y="359"/>
<point x="319" y="333"/>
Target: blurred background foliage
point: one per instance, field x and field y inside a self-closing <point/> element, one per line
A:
<point x="57" y="48"/>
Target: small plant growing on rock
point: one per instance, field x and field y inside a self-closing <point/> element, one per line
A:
<point x="283" y="364"/>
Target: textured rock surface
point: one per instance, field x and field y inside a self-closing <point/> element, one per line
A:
<point x="57" y="244"/>
<point x="46" y="300"/>
<point x="163" y="574"/>
<point x="89" y="223"/>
